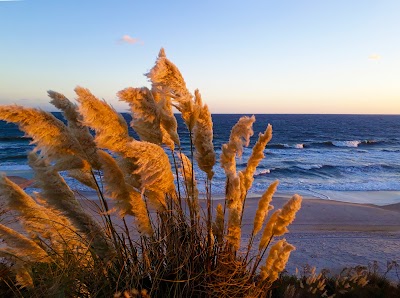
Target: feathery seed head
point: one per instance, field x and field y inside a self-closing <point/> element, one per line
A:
<point x="128" y="200"/>
<point x="169" y="125"/>
<point x="166" y="75"/>
<point x="190" y="183"/>
<point x="264" y="206"/>
<point x="33" y="217"/>
<point x="256" y="156"/>
<point x="268" y="230"/>
<point x="241" y="133"/>
<point x="52" y="138"/>
<point x="276" y="260"/>
<point x="203" y="139"/>
<point x="145" y="113"/>
<point x="234" y="228"/>
<point x="218" y="225"/>
<point x="53" y="188"/>
<point x="22" y="247"/>
<point x="79" y="131"/>
<point x="111" y="128"/>
<point x="154" y="170"/>
<point x="287" y="215"/>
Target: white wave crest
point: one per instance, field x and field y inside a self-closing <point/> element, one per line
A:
<point x="352" y="144"/>
<point x="299" y="146"/>
<point x="296" y="146"/>
<point x="263" y="172"/>
<point x="309" y="167"/>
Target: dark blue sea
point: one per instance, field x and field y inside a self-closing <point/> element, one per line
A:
<point x="308" y="153"/>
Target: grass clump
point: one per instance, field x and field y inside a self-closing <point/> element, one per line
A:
<point x="359" y="281"/>
<point x="154" y="234"/>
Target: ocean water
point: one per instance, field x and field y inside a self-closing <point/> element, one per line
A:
<point x="309" y="153"/>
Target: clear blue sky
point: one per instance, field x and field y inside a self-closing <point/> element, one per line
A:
<point x="267" y="56"/>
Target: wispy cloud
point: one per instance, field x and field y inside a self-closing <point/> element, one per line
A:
<point x="374" y="57"/>
<point x="130" y="40"/>
<point x="11" y="0"/>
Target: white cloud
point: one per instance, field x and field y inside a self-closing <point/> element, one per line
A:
<point x="374" y="57"/>
<point x="131" y="40"/>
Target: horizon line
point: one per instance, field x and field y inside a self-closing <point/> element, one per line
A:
<point x="245" y="113"/>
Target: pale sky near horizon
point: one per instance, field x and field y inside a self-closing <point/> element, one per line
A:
<point x="267" y="56"/>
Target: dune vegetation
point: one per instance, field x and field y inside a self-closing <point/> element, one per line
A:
<point x="155" y="234"/>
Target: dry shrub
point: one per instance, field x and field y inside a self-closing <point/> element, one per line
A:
<point x="155" y="235"/>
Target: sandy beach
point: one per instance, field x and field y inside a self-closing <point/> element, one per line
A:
<point x="331" y="234"/>
<point x="327" y="234"/>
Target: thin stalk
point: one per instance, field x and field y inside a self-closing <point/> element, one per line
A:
<point x="177" y="179"/>
<point x="209" y="222"/>
<point x="105" y="206"/>
<point x="249" y="245"/>
<point x="260" y="256"/>
<point x="244" y="201"/>
<point x="192" y="161"/>
<point x="226" y="191"/>
<point x="128" y="235"/>
<point x="187" y="191"/>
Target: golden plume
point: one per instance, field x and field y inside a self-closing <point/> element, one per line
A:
<point x="58" y="195"/>
<point x="128" y="200"/>
<point x="51" y="137"/>
<point x="256" y="156"/>
<point x="111" y="128"/>
<point x="276" y="260"/>
<point x="81" y="132"/>
<point x="264" y="206"/>
<point x="203" y="138"/>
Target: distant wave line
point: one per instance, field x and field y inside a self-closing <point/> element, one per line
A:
<point x="348" y="144"/>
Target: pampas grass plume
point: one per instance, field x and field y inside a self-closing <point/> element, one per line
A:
<point x="268" y="230"/>
<point x="264" y="206"/>
<point x="218" y="226"/>
<point x="21" y="246"/>
<point x="276" y="260"/>
<point x="81" y="132"/>
<point x="154" y="169"/>
<point x="168" y="77"/>
<point x="145" y="114"/>
<point x="240" y="135"/>
<point x="190" y="184"/>
<point x="111" y="128"/>
<point x="128" y="200"/>
<point x="234" y="228"/>
<point x="287" y="215"/>
<point x="256" y="156"/>
<point x="33" y="217"/>
<point x="51" y="136"/>
<point x="203" y="139"/>
<point x="53" y="188"/>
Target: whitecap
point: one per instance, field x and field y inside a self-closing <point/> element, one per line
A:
<point x="263" y="172"/>
<point x="295" y="146"/>
<point x="352" y="144"/>
<point x="309" y="167"/>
